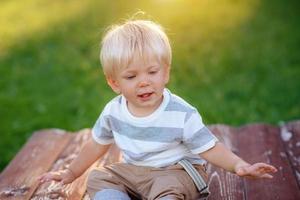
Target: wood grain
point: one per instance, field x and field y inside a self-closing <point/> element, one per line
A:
<point x="222" y="184"/>
<point x="18" y="180"/>
<point x="55" y="190"/>
<point x="261" y="143"/>
<point x="290" y="136"/>
<point x="55" y="149"/>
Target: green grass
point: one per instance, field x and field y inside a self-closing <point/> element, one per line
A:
<point x="237" y="61"/>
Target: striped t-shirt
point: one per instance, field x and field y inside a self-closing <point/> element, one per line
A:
<point x="173" y="132"/>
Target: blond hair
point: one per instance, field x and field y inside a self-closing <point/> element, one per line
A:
<point x="142" y="38"/>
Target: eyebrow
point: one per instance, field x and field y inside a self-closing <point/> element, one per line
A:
<point x="154" y="66"/>
<point x="128" y="71"/>
<point x="150" y="67"/>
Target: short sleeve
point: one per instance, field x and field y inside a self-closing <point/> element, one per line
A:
<point x="101" y="131"/>
<point x="197" y="137"/>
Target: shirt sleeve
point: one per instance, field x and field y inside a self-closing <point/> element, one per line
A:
<point x="101" y="131"/>
<point x="197" y="137"/>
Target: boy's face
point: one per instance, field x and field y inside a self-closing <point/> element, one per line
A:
<point x="142" y="84"/>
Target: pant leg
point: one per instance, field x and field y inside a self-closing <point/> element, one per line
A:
<point x="148" y="183"/>
<point x="118" y="176"/>
<point x="173" y="182"/>
<point x="100" y="179"/>
<point x="169" y="187"/>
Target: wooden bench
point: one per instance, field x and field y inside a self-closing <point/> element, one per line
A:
<point x="54" y="149"/>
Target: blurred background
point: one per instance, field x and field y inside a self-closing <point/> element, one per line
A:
<point x="237" y="61"/>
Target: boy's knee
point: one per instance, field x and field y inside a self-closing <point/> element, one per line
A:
<point x="111" y="194"/>
<point x="173" y="187"/>
<point x="169" y="197"/>
<point x="95" y="175"/>
<point x="99" y="179"/>
<point x="94" y="182"/>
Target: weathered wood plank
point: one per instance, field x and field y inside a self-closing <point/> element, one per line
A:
<point x="224" y="185"/>
<point x="77" y="189"/>
<point x="261" y="143"/>
<point x="290" y="135"/>
<point x="254" y="143"/>
<point x="18" y="179"/>
<point x="55" y="190"/>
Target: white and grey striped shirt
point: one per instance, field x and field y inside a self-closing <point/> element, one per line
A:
<point x="173" y="132"/>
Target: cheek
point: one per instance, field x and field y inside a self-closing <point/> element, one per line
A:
<point x="163" y="78"/>
<point x="128" y="87"/>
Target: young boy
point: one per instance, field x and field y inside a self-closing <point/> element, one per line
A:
<point x="162" y="138"/>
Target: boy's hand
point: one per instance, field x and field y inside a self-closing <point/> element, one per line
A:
<point x="64" y="176"/>
<point x="257" y="170"/>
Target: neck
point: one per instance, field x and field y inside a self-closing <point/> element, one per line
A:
<point x="142" y="111"/>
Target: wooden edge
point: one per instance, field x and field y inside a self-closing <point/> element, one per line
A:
<point x="18" y="179"/>
<point x="290" y="136"/>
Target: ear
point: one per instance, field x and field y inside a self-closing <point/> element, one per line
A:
<point x="113" y="84"/>
<point x="167" y="74"/>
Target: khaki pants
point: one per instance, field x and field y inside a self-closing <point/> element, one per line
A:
<point x="145" y="183"/>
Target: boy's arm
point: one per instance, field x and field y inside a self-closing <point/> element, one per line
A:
<point x="90" y="152"/>
<point x="222" y="157"/>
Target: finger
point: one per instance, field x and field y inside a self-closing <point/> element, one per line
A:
<point x="266" y="169"/>
<point x="262" y="170"/>
<point x="266" y="166"/>
<point x="251" y="171"/>
<point x="64" y="182"/>
<point x="262" y="173"/>
<point x="51" y="176"/>
<point x="271" y="169"/>
<point x="55" y="177"/>
<point x="42" y="178"/>
<point x="268" y="176"/>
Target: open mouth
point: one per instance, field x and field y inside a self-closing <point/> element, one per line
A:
<point x="145" y="95"/>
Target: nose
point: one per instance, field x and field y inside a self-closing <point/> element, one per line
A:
<point x="144" y="81"/>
